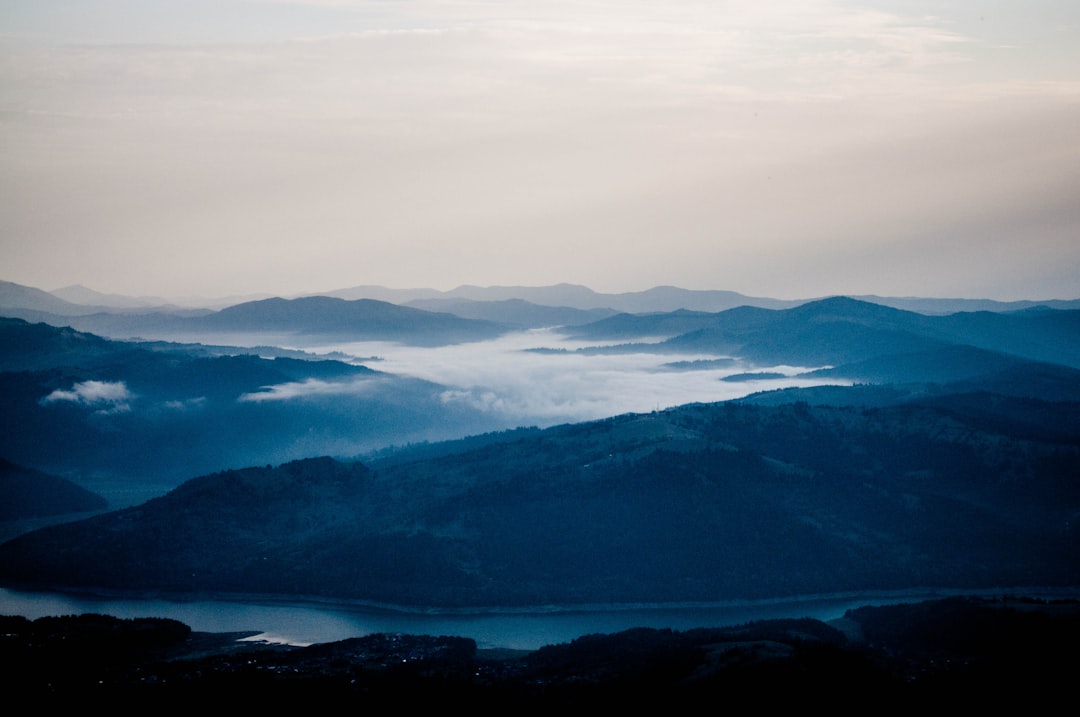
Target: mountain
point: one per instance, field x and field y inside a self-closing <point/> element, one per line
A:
<point x="125" y="417"/>
<point x="925" y="305"/>
<point x="304" y="321"/>
<point x="16" y="298"/>
<point x="707" y="502"/>
<point x="661" y="298"/>
<point x="79" y="294"/>
<point x="357" y="320"/>
<point x="964" y="368"/>
<point x="842" y="330"/>
<point x="28" y="493"/>
<point x="517" y="313"/>
<point x="78" y="300"/>
<point x="668" y="298"/>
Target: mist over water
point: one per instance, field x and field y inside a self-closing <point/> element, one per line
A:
<point x="559" y="383"/>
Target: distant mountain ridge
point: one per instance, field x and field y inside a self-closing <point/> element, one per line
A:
<point x="671" y="298"/>
<point x="516" y="313"/>
<point x="305" y="319"/>
<point x="362" y="319"/>
<point x="842" y="330"/>
<point x="78" y="299"/>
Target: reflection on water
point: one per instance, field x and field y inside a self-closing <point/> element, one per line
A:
<point x="302" y="624"/>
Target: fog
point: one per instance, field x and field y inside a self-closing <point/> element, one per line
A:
<point x="506" y="377"/>
<point x="107" y="396"/>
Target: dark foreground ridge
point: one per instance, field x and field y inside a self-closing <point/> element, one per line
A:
<point x="971" y="649"/>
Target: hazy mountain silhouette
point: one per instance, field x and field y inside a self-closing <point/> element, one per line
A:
<point x="16" y="297"/>
<point x="669" y="298"/>
<point x="842" y="330"/>
<point x="661" y="298"/>
<point x="79" y="294"/>
<point x="361" y="319"/>
<point x="80" y="300"/>
<point x="517" y="313"/>
<point x="297" y="321"/>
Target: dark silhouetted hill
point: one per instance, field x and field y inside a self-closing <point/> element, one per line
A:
<point x="701" y="503"/>
<point x="29" y="493"/>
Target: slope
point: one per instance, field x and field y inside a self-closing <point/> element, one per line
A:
<point x="701" y="503"/>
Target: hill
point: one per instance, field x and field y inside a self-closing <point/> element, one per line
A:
<point x="27" y="493"/>
<point x="277" y="321"/>
<point x="18" y="297"/>
<point x="659" y="299"/>
<point x="517" y="313"/>
<point x="841" y="330"/>
<point x="118" y="415"/>
<point x="701" y="503"/>
<point x="357" y="320"/>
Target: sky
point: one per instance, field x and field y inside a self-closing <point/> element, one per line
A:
<point x="791" y="149"/>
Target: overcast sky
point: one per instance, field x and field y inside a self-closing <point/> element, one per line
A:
<point x="791" y="148"/>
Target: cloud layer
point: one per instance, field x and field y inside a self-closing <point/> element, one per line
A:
<point x="503" y="377"/>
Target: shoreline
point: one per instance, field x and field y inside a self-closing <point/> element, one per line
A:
<point x="370" y="606"/>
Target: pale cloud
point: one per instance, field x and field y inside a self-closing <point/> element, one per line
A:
<point x="106" y="396"/>
<point x="309" y="388"/>
<point x="186" y="404"/>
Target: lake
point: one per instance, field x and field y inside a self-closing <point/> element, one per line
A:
<point x="308" y="623"/>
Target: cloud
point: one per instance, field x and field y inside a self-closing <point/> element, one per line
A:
<point x="310" y="388"/>
<point x="107" y="396"/>
<point x="186" y="404"/>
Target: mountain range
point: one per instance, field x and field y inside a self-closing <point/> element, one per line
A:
<point x="943" y="452"/>
<point x="135" y="418"/>
<point x="511" y="305"/>
<point x="842" y="330"/>
<point x="709" y="502"/>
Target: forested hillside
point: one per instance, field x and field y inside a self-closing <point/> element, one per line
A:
<point x="703" y="502"/>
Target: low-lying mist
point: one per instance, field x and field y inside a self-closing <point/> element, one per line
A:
<point x="561" y="382"/>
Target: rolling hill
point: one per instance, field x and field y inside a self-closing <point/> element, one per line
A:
<point x="700" y="503"/>
<point x="27" y="493"/>
<point x="276" y="321"/>
<point x="117" y="415"/>
<point x="842" y="330"/>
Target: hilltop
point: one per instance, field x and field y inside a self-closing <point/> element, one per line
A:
<point x="700" y="503"/>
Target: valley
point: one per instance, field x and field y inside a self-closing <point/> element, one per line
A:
<point x="749" y="454"/>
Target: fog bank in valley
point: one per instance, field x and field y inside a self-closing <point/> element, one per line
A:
<point x="509" y="377"/>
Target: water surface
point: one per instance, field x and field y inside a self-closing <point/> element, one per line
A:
<point x="308" y="623"/>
